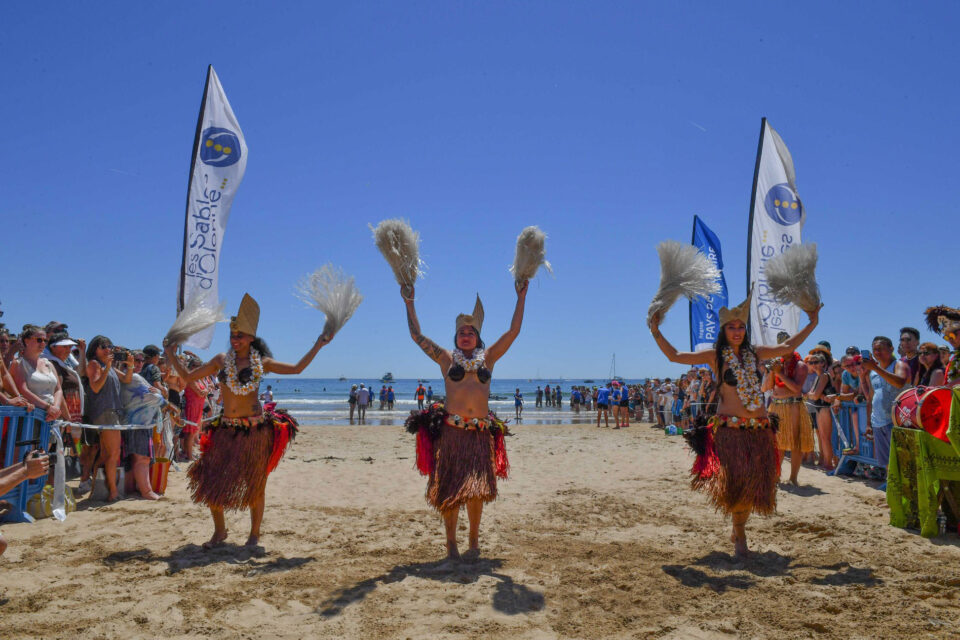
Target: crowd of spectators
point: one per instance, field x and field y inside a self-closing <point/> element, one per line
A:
<point x="100" y="383"/>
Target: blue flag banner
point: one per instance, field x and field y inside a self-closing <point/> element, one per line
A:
<point x="704" y="320"/>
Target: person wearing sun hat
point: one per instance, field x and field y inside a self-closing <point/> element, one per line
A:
<point x="737" y="461"/>
<point x="240" y="448"/>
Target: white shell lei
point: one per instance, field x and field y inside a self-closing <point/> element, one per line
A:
<point x="473" y="363"/>
<point x="230" y="369"/>
<point x="748" y="387"/>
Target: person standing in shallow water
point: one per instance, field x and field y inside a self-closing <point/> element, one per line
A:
<point x="467" y="455"/>
<point x="740" y="466"/>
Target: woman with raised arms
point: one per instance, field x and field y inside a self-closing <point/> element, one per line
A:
<point x="240" y="448"/>
<point x="737" y="462"/>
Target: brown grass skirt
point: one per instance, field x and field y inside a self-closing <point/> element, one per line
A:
<point x="749" y="471"/>
<point x="464" y="468"/>
<point x="232" y="469"/>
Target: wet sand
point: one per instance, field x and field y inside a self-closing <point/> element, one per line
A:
<point x="596" y="535"/>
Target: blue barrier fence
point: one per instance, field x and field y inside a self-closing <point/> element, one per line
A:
<point x="33" y="431"/>
<point x="843" y="421"/>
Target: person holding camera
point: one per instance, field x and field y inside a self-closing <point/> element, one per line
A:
<point x="104" y="405"/>
<point x="887" y="376"/>
<point x="784" y="378"/>
<point x="35" y="465"/>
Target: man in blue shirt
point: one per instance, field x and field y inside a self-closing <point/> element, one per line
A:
<point x="429" y="394"/>
<point x="518" y="403"/>
<point x="603" y="405"/>
<point x="887" y="376"/>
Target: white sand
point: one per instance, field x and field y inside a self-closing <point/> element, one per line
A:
<point x="596" y="535"/>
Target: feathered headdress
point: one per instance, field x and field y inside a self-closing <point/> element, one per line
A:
<point x="942" y="319"/>
<point x="332" y="292"/>
<point x="530" y="255"/>
<point x="684" y="271"/>
<point x="201" y="312"/>
<point x="400" y="245"/>
<point x="792" y="276"/>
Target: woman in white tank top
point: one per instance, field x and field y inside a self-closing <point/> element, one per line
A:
<point x="34" y="376"/>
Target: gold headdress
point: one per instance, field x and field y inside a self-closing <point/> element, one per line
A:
<point x="475" y="320"/>
<point x="942" y="319"/>
<point x="740" y="312"/>
<point x="248" y="316"/>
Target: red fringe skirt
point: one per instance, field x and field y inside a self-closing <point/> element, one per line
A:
<point x="235" y="459"/>
<point x="462" y="463"/>
<point x="746" y="471"/>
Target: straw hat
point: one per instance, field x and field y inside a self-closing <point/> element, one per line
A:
<point x="248" y="316"/>
<point x="475" y="320"/>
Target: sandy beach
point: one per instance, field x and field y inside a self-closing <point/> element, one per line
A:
<point x="596" y="535"/>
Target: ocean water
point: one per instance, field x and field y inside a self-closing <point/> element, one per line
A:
<point x="320" y="401"/>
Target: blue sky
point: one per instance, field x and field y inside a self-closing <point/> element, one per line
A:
<point x="609" y="125"/>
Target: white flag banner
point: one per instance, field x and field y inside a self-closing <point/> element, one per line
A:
<point x="775" y="224"/>
<point x="216" y="170"/>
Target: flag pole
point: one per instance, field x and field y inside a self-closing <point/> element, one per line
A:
<point x="693" y="240"/>
<point x="753" y="200"/>
<point x="186" y="217"/>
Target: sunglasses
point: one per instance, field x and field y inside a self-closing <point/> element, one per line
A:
<point x="40" y="340"/>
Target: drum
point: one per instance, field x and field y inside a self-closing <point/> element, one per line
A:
<point x="926" y="408"/>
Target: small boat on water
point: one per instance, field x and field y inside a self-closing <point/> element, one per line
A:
<point x="342" y="379"/>
<point x="588" y="381"/>
<point x="387" y="377"/>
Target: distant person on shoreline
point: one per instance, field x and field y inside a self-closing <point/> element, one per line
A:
<point x="420" y="395"/>
<point x="539" y="402"/>
<point x="352" y="400"/>
<point x="429" y="394"/>
<point x="518" y="403"/>
<point x="391" y="397"/>
<point x="363" y="400"/>
<point x="603" y="405"/>
<point x="383" y="397"/>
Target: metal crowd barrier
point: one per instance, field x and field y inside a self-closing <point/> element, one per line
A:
<point x="843" y="430"/>
<point x="23" y="432"/>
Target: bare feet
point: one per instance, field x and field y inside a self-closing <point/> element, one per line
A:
<point x="252" y="541"/>
<point x="739" y="540"/>
<point x="452" y="552"/>
<point x="113" y="498"/>
<point x="472" y="555"/>
<point x="150" y="496"/>
<point x="216" y="540"/>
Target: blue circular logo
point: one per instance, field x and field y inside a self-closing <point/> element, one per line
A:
<point x="219" y="147"/>
<point x="782" y="205"/>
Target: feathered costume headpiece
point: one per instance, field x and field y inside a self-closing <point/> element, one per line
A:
<point x="332" y="292"/>
<point x="684" y="271"/>
<point x="400" y="245"/>
<point x="792" y="276"/>
<point x="942" y="319"/>
<point x="201" y="312"/>
<point x="531" y="254"/>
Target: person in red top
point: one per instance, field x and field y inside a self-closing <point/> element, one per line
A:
<point x="785" y="378"/>
<point x="421" y="394"/>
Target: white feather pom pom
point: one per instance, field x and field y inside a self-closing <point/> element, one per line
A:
<point x="792" y="276"/>
<point x="531" y="254"/>
<point x="201" y="312"/>
<point x="400" y="245"/>
<point x="332" y="292"/>
<point x="684" y="271"/>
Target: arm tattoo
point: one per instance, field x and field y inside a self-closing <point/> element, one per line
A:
<point x="429" y="346"/>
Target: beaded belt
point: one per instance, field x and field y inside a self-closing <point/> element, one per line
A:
<point x="792" y="400"/>
<point x="735" y="422"/>
<point x="474" y="424"/>
<point x="242" y="423"/>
